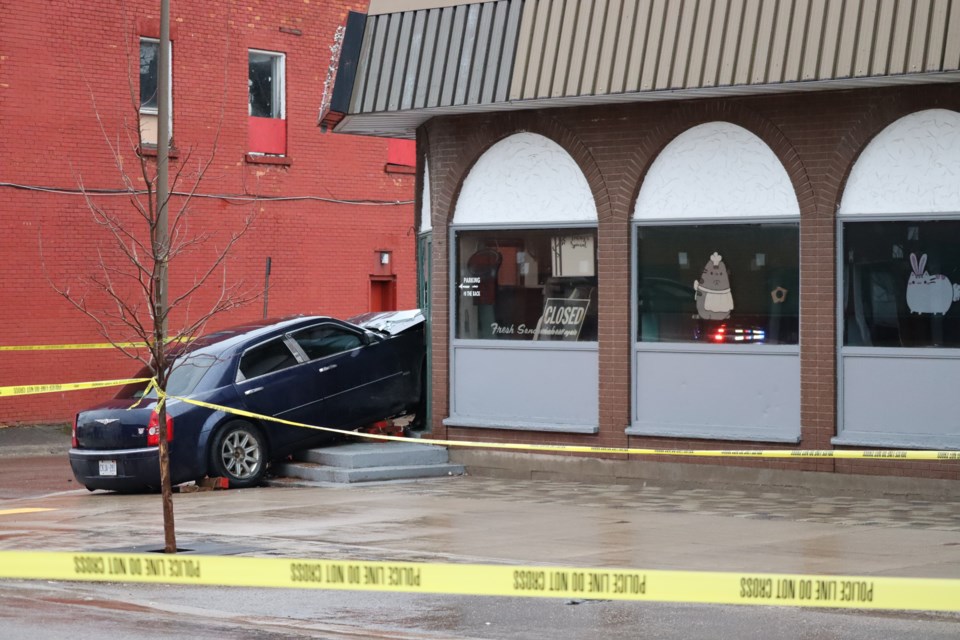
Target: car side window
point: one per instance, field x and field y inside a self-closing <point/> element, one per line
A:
<point x="266" y="358"/>
<point x="326" y="340"/>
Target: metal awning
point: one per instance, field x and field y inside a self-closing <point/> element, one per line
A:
<point x="415" y="59"/>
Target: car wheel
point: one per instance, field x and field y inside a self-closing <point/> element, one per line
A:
<point x="239" y="454"/>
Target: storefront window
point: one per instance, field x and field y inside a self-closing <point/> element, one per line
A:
<point x="718" y="283"/>
<point x="901" y="284"/>
<point x="534" y="284"/>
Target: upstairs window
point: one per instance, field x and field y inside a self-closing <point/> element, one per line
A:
<point x="149" y="85"/>
<point x="267" y="126"/>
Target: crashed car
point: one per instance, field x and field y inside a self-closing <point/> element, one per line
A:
<point x="313" y="370"/>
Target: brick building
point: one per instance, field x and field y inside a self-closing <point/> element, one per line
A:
<point x="714" y="225"/>
<point x="332" y="214"/>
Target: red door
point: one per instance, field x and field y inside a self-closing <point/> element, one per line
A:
<point x="383" y="294"/>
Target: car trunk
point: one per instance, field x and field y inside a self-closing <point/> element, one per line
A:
<point x="113" y="425"/>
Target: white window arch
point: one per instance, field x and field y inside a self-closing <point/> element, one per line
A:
<point x="716" y="170"/>
<point x="912" y="166"/>
<point x="525" y="178"/>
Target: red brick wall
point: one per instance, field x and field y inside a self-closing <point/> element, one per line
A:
<point x="63" y="65"/>
<point x="817" y="137"/>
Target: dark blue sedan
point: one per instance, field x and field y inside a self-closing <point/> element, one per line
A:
<point x="313" y="370"/>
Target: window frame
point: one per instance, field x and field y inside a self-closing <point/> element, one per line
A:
<point x="294" y="349"/>
<point x="305" y="357"/>
<point x="842" y="436"/>
<point x="279" y="90"/>
<point x="155" y="111"/>
<point x="690" y="345"/>
<point x="454" y="230"/>
<point x="858" y="218"/>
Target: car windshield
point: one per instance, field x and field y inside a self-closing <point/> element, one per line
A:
<point x="186" y="373"/>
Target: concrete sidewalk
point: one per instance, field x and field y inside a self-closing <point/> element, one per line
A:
<point x="652" y="525"/>
<point x="34" y="440"/>
<point x="484" y="520"/>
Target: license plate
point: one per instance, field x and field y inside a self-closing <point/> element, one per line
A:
<point x="108" y="467"/>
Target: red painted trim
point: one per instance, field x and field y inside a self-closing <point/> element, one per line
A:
<point x="267" y="135"/>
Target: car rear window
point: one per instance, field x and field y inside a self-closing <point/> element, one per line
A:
<point x="185" y="375"/>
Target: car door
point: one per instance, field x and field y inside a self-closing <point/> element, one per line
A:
<point x="274" y="381"/>
<point x="357" y="376"/>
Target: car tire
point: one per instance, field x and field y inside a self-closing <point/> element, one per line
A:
<point x="239" y="454"/>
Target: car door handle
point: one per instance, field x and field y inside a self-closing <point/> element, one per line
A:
<point x="250" y="392"/>
<point x="328" y="368"/>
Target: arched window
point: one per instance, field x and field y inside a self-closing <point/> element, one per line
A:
<point x="524" y="295"/>
<point x="717" y="291"/>
<point x="899" y="286"/>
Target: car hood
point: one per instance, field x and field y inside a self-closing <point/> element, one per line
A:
<point x="392" y="322"/>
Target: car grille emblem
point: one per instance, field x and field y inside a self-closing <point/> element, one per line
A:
<point x="106" y="421"/>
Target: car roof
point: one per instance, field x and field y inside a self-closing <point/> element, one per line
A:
<point x="240" y="335"/>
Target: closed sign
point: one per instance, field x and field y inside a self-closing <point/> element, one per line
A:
<point x="562" y="319"/>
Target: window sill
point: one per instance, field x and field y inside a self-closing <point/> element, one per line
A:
<point x="512" y="425"/>
<point x="150" y="151"/>
<point x="400" y="168"/>
<point x="281" y="161"/>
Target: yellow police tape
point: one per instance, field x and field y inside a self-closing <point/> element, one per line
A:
<point x="89" y="345"/>
<point x="889" y="454"/>
<point x="32" y="389"/>
<point x="703" y="453"/>
<point x="71" y="347"/>
<point x="794" y="590"/>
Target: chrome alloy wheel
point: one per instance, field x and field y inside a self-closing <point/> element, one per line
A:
<point x="241" y="454"/>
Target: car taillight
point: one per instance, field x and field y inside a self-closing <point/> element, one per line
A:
<point x="73" y="433"/>
<point x="153" y="430"/>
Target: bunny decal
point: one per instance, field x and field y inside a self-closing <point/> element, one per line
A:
<point x="927" y="293"/>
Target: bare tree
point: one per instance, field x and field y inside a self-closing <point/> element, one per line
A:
<point x="125" y="293"/>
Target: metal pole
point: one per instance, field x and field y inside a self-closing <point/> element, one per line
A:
<point x="161" y="254"/>
<point x="163" y="156"/>
<point x="266" y="288"/>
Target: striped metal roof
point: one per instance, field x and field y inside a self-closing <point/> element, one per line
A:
<point x="514" y="54"/>
<point x="437" y="57"/>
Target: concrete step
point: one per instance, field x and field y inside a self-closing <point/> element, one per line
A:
<point x="356" y="455"/>
<point x="367" y="462"/>
<point x="314" y="472"/>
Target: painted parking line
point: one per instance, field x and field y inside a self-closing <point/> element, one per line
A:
<point x="12" y="512"/>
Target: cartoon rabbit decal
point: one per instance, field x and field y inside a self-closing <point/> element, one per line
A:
<point x="927" y="293"/>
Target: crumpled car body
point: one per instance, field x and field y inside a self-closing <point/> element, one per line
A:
<point x="315" y="370"/>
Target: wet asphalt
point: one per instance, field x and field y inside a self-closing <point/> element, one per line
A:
<point x="473" y="520"/>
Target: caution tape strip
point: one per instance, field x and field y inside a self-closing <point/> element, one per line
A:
<point x="32" y="389"/>
<point x="90" y="345"/>
<point x="702" y="453"/>
<point x="71" y="347"/>
<point x="889" y="454"/>
<point x="793" y="590"/>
